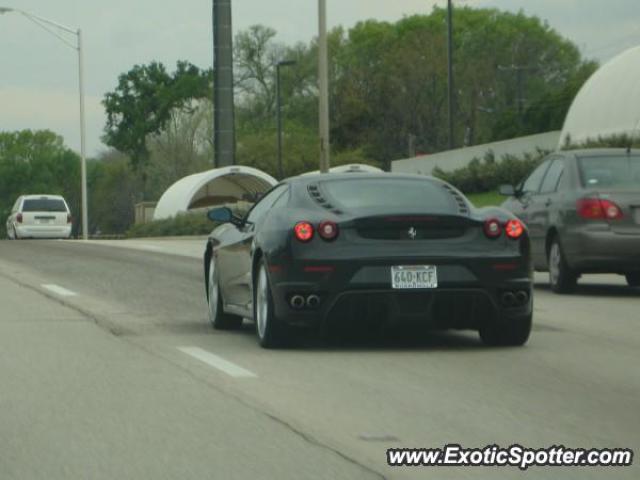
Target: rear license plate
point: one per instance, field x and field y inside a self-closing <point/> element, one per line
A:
<point x="414" y="277"/>
<point x="43" y="222"/>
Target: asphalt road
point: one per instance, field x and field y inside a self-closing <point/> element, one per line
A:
<point x="109" y="369"/>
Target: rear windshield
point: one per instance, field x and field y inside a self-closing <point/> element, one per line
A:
<point x="44" y="205"/>
<point x="391" y="194"/>
<point x="610" y="171"/>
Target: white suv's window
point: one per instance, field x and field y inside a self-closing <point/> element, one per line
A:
<point x="44" y="205"/>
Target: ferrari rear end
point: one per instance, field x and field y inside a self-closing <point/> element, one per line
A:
<point x="405" y="249"/>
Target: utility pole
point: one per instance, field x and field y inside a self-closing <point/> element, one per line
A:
<point x="223" y="100"/>
<point x="83" y="141"/>
<point x="323" y="84"/>
<point x="450" y="83"/>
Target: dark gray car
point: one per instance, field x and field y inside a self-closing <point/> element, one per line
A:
<point x="582" y="208"/>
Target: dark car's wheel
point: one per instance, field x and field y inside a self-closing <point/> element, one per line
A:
<point x="509" y="332"/>
<point x="218" y="318"/>
<point x="561" y="278"/>
<point x="633" y="279"/>
<point x="270" y="331"/>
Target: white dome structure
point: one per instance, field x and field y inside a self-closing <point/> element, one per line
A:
<point x="350" y="168"/>
<point x="608" y="103"/>
<point x="211" y="188"/>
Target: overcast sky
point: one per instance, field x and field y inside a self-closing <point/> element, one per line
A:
<point x="38" y="73"/>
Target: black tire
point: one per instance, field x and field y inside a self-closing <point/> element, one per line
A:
<point x="511" y="332"/>
<point x="561" y="278"/>
<point x="633" y="279"/>
<point x="217" y="316"/>
<point x="270" y="331"/>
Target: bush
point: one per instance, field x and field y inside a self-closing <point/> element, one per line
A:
<point x="188" y="224"/>
<point x="488" y="174"/>
<point x="182" y="225"/>
<point x="611" y="141"/>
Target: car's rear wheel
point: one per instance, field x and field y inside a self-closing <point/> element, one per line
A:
<point x="271" y="332"/>
<point x="633" y="279"/>
<point x="512" y="332"/>
<point x="218" y="318"/>
<point x="561" y="278"/>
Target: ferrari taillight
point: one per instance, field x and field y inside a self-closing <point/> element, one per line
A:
<point x="328" y="230"/>
<point x="492" y="228"/>
<point x="514" y="229"/>
<point x="303" y="231"/>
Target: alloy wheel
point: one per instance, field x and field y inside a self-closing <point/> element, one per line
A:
<point x="213" y="291"/>
<point x="262" y="302"/>
<point x="555" y="258"/>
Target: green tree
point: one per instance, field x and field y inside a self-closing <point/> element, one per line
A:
<point x="143" y="102"/>
<point x="392" y="82"/>
<point x="114" y="186"/>
<point x="37" y="162"/>
<point x="183" y="147"/>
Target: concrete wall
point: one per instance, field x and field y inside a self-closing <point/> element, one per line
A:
<point x="145" y="211"/>
<point x="454" y="159"/>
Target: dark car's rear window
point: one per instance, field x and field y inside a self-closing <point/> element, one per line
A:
<point x="616" y="172"/>
<point x="44" y="205"/>
<point x="390" y="193"/>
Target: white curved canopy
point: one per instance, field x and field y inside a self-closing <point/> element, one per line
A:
<point x="351" y="167"/>
<point x="608" y="103"/>
<point x="210" y="188"/>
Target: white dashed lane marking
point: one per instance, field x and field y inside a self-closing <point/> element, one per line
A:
<point x="58" y="290"/>
<point x="217" y="362"/>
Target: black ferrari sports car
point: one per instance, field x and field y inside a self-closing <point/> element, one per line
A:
<point x="407" y="247"/>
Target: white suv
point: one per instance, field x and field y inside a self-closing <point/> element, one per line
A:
<point x="39" y="216"/>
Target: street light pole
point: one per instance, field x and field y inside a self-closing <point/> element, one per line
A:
<point x="283" y="63"/>
<point x="323" y="84"/>
<point x="450" y="70"/>
<point x="83" y="153"/>
<point x="45" y="23"/>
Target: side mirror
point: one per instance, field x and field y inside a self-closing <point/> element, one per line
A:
<point x="221" y="215"/>
<point x="507" y="190"/>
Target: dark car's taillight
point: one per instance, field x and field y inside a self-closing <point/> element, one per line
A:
<point x="328" y="230"/>
<point x="19" y="218"/>
<point x="303" y="231"/>
<point x="492" y="228"/>
<point x="514" y="229"/>
<point x="598" y="209"/>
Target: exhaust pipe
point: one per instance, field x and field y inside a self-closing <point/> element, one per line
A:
<point x="522" y="297"/>
<point x="297" y="302"/>
<point x="508" y="299"/>
<point x="313" y="301"/>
